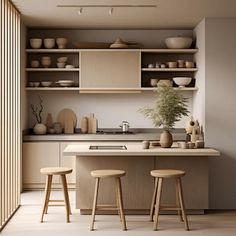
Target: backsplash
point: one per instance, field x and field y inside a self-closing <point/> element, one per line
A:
<point x="109" y="109"/>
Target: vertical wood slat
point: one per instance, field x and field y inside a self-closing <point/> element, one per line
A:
<point x="9" y="111"/>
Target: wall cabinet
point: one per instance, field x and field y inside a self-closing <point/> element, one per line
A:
<point x="109" y="70"/>
<point x="37" y="155"/>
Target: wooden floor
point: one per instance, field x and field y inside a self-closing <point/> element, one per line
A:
<point x="26" y="222"/>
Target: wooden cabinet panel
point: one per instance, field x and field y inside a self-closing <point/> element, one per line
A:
<point x="110" y="69"/>
<point x="36" y="156"/>
<point x="67" y="161"/>
<point x="137" y="185"/>
<point x="195" y="182"/>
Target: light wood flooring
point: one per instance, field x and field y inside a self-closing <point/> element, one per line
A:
<point x="26" y="222"/>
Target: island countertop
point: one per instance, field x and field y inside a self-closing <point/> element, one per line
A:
<point x="134" y="149"/>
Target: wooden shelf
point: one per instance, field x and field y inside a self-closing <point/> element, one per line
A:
<point x="144" y="50"/>
<point x="52" y="69"/>
<point x="93" y="90"/>
<point x="176" y="88"/>
<point x="52" y="88"/>
<point x="67" y="50"/>
<point x="170" y="69"/>
<point x="183" y="51"/>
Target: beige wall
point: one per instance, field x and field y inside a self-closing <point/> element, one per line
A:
<point x="220" y="109"/>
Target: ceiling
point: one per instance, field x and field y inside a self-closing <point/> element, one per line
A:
<point x="179" y="14"/>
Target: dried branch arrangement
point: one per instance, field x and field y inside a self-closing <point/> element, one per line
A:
<point x="37" y="111"/>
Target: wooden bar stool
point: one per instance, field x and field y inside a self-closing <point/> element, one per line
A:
<point x="62" y="171"/>
<point x="116" y="174"/>
<point x="159" y="175"/>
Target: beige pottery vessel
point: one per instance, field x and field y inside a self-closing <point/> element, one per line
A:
<point x="166" y="139"/>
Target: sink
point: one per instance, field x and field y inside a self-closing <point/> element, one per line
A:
<point x="107" y="147"/>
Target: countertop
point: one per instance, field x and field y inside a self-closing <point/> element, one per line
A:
<point x="135" y="149"/>
<point x="137" y="135"/>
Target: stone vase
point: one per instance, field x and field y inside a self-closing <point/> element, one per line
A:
<point x="40" y="128"/>
<point x="166" y="139"/>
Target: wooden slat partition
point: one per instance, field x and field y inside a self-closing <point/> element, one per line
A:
<point x="9" y="111"/>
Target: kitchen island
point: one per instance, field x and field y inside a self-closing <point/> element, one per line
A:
<point x="138" y="184"/>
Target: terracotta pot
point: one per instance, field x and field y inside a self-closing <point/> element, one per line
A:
<point x="166" y="139"/>
<point x="40" y="129"/>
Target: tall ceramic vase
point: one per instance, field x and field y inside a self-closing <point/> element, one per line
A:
<point x="166" y="139"/>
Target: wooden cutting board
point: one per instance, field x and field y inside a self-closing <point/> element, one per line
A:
<point x="68" y="120"/>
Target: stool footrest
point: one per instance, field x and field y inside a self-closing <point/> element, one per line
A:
<point x="56" y="205"/>
<point x="56" y="200"/>
<point x="107" y="207"/>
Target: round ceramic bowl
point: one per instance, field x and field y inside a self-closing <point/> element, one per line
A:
<point x="36" y="84"/>
<point x="65" y="83"/>
<point x="62" y="59"/>
<point x="60" y="64"/>
<point x="178" y="42"/>
<point x="172" y="64"/>
<point x="61" y="42"/>
<point x="46" y="83"/>
<point x="49" y="43"/>
<point x="153" y="82"/>
<point x="165" y="83"/>
<point x="182" y="81"/>
<point x="36" y="43"/>
<point x="46" y="62"/>
<point x="35" y="64"/>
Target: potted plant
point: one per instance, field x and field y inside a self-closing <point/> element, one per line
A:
<point x="169" y="108"/>
<point x="39" y="127"/>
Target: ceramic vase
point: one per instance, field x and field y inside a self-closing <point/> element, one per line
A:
<point x="166" y="139"/>
<point x="40" y="129"/>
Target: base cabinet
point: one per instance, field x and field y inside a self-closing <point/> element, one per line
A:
<point x="37" y="155"/>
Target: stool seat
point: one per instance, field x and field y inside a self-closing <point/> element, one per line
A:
<point x="55" y="171"/>
<point x="107" y="173"/>
<point x="167" y="173"/>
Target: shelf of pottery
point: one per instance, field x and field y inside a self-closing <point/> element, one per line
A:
<point x="172" y="68"/>
<point x="47" y="56"/>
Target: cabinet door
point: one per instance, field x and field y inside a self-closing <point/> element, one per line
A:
<point x="110" y="70"/>
<point x="36" y="156"/>
<point x="67" y="161"/>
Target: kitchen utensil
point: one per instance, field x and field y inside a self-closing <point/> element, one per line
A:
<point x="65" y="83"/>
<point x="119" y="43"/>
<point x="70" y="66"/>
<point x="124" y="126"/>
<point x="61" y="42"/>
<point x="191" y="145"/>
<point x="199" y="144"/>
<point x="57" y="127"/>
<point x="34" y="63"/>
<point x="92" y="124"/>
<point x="46" y="61"/>
<point x="62" y="59"/>
<point x="84" y="125"/>
<point x="165" y="82"/>
<point x="178" y="42"/>
<point x="46" y="83"/>
<point x="182" y="81"/>
<point x="181" y="63"/>
<point x="61" y="64"/>
<point x="189" y="64"/>
<point x="49" y="43"/>
<point x="172" y="64"/>
<point x="36" y="43"/>
<point x="145" y="144"/>
<point x="68" y="120"/>
<point x="182" y="145"/>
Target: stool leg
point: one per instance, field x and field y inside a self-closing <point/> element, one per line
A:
<point x="158" y="202"/>
<point x="121" y="205"/>
<point x="178" y="202"/>
<point x="153" y="200"/>
<point x="181" y="198"/>
<point x="117" y="201"/>
<point x="46" y="195"/>
<point x="95" y="202"/>
<point x="65" y="191"/>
